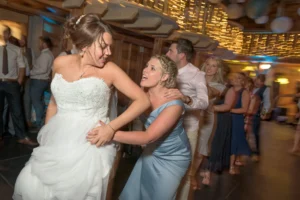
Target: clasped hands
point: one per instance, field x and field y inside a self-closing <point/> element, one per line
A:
<point x="100" y="135"/>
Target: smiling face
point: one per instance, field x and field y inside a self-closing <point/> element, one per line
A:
<point x="100" y="50"/>
<point x="152" y="74"/>
<point x="211" y="67"/>
<point x="238" y="80"/>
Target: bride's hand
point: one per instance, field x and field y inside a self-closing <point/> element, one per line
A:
<point x="101" y="134"/>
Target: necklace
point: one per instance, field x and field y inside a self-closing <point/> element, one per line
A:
<point x="80" y="77"/>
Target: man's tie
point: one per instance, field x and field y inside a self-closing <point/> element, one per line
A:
<point x="5" y="61"/>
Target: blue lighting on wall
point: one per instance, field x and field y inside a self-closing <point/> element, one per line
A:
<point x="47" y="19"/>
<point x="48" y="28"/>
<point x="268" y="59"/>
<point x="51" y="9"/>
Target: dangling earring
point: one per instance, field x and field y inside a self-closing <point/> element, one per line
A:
<point x="81" y="53"/>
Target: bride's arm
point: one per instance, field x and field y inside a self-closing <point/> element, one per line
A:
<point x="140" y="102"/>
<point x="51" y="110"/>
<point x="52" y="107"/>
<point x="161" y="125"/>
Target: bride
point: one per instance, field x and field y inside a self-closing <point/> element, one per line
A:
<point x="66" y="166"/>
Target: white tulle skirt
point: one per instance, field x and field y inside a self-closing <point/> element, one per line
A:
<point x="65" y="166"/>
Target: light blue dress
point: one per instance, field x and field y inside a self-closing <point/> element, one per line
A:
<point x="158" y="172"/>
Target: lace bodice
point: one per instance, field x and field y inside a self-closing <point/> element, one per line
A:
<point x="87" y="97"/>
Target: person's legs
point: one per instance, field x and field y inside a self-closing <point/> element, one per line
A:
<point x="37" y="88"/>
<point x="198" y="160"/>
<point x="27" y="102"/>
<point x="256" y="129"/>
<point x="184" y="190"/>
<point x="2" y="98"/>
<point x="13" y="96"/>
<point x="295" y="147"/>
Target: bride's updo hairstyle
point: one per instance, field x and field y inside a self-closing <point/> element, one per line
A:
<point x="84" y="30"/>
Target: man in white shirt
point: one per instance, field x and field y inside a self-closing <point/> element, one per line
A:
<point x="40" y="78"/>
<point x="193" y="92"/>
<point x="28" y="59"/>
<point x="12" y="72"/>
<point x="69" y="52"/>
<point x="263" y="92"/>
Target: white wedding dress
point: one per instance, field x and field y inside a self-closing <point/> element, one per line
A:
<point x="66" y="166"/>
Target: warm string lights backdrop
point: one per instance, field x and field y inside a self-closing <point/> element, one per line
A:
<point x="203" y="17"/>
<point x="281" y="45"/>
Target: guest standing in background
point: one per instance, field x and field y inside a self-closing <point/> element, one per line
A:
<point x="213" y="68"/>
<point x="239" y="144"/>
<point x="40" y="79"/>
<point x="192" y="91"/>
<point x="28" y="59"/>
<point x="12" y="73"/>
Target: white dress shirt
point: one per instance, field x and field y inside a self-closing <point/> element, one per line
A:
<point x="191" y="82"/>
<point x="42" y="66"/>
<point x="73" y="51"/>
<point x="266" y="98"/>
<point x="27" y="63"/>
<point x="15" y="61"/>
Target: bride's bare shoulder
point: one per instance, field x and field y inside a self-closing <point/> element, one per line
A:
<point x="64" y="61"/>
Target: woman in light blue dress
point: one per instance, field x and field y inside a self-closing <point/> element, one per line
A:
<point x="166" y="156"/>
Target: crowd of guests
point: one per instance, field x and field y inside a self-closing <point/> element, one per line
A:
<point x="197" y="123"/>
<point x="24" y="77"/>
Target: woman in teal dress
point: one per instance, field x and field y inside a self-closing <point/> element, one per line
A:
<point x="166" y="156"/>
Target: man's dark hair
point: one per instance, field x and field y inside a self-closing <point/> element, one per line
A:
<point x="47" y="41"/>
<point x="185" y="46"/>
<point x="261" y="77"/>
<point x="8" y="29"/>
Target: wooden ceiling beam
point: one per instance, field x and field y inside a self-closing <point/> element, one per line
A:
<point x="26" y="9"/>
<point x="55" y="4"/>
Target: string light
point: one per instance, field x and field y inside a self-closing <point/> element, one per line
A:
<point x="198" y="16"/>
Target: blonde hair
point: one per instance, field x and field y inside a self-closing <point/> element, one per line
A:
<point x="219" y="76"/>
<point x="167" y="67"/>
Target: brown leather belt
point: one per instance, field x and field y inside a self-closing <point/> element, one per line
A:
<point x="8" y="80"/>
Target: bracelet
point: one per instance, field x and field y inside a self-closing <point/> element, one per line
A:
<point x="112" y="128"/>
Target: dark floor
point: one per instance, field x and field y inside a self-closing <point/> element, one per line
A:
<point x="276" y="177"/>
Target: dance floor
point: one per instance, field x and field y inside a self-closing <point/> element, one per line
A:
<point x="275" y="177"/>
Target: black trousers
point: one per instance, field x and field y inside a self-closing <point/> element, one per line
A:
<point x="256" y="130"/>
<point x="11" y="91"/>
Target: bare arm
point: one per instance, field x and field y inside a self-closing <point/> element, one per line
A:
<point x="254" y="105"/>
<point x="213" y="92"/>
<point x="21" y="75"/>
<point x="162" y="125"/>
<point x="198" y="102"/>
<point x="52" y="107"/>
<point x="228" y="103"/>
<point x="140" y="103"/>
<point x="21" y="66"/>
<point x="245" y="104"/>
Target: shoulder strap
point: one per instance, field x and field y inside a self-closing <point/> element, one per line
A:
<point x="174" y="102"/>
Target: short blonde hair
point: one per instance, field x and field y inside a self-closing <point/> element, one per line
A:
<point x="219" y="76"/>
<point x="167" y="67"/>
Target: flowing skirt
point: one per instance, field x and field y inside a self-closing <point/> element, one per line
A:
<point x="66" y="166"/>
